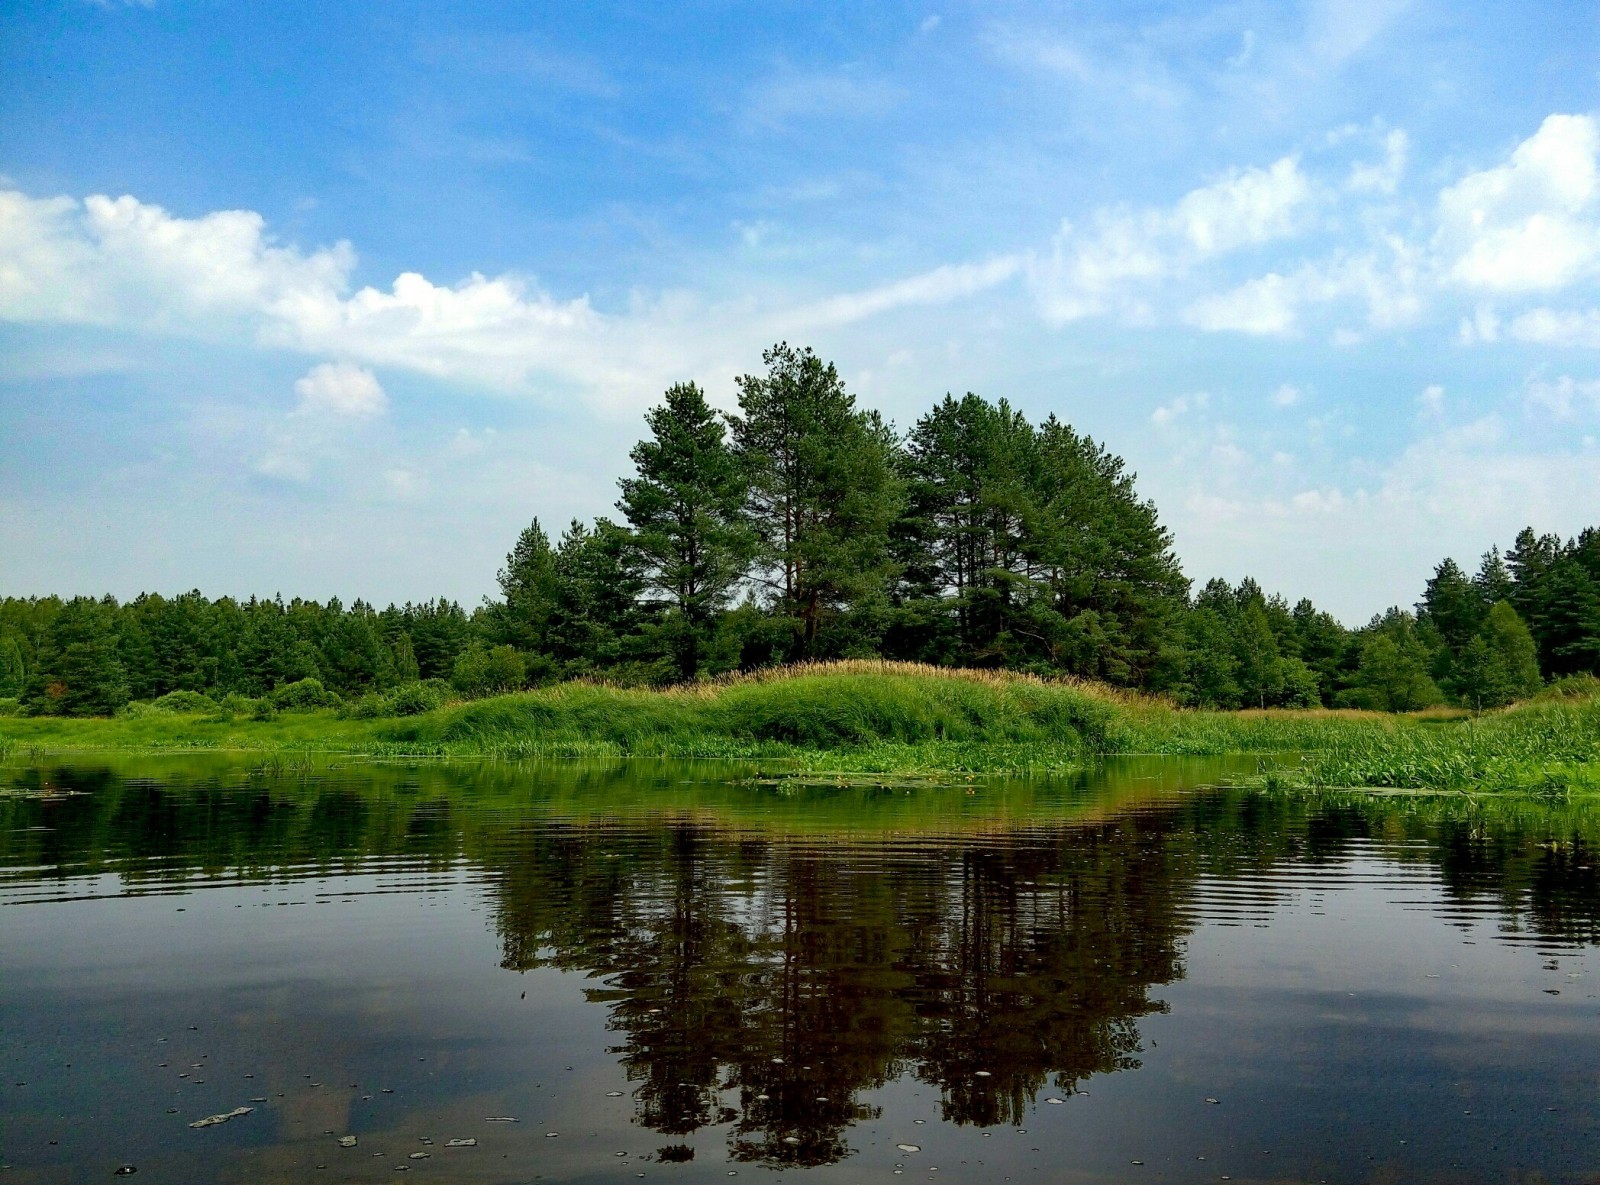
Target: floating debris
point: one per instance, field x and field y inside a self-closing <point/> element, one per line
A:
<point x="347" y="1141"/>
<point x="1213" y="1102"/>
<point x="909" y="1147"/>
<point x="213" y="1120"/>
<point x="501" y="1119"/>
<point x="469" y="1142"/>
<point x="613" y="1094"/>
<point x="419" y="1156"/>
<point x="1055" y="1102"/>
<point x="125" y="1170"/>
<point x="982" y="1074"/>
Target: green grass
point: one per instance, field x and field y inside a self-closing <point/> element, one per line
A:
<point x="874" y="717"/>
<point x="1544" y="746"/>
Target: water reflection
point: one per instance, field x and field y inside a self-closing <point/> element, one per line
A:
<point x="769" y="961"/>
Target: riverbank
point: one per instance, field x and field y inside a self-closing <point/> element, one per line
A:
<point x="872" y="717"/>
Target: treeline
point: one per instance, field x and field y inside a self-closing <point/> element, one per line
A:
<point x="805" y="527"/>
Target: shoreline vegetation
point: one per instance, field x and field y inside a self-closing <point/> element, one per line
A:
<point x="802" y="584"/>
<point x="873" y="717"/>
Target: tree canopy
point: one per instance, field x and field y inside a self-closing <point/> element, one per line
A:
<point x="801" y="525"/>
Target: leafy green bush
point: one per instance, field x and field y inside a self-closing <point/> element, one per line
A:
<point x="488" y="671"/>
<point x="412" y="699"/>
<point x="10" y="707"/>
<point x="184" y="701"/>
<point x="409" y="699"/>
<point x="303" y="696"/>
<point x="234" y="704"/>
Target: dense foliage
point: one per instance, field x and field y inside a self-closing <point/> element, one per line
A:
<point x="803" y="527"/>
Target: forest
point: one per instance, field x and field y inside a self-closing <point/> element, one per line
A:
<point x="804" y="527"/>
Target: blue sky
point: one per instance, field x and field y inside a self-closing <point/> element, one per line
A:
<point x="332" y="300"/>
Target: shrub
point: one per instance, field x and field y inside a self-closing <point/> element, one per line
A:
<point x="10" y="707"/>
<point x="412" y="699"/>
<point x="303" y="696"/>
<point x="234" y="704"/>
<point x="184" y="701"/>
<point x="409" y="699"/>
<point x="482" y="671"/>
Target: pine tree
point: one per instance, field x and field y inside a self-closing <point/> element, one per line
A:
<point x="686" y="511"/>
<point x="823" y="493"/>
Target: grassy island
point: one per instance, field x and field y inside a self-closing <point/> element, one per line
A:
<point x="867" y="717"/>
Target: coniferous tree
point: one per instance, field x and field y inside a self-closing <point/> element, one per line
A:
<point x="528" y="584"/>
<point x="686" y="510"/>
<point x="823" y="494"/>
<point x="596" y="612"/>
<point x="80" y="671"/>
<point x="1454" y="604"/>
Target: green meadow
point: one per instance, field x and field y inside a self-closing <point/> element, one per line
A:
<point x="878" y="718"/>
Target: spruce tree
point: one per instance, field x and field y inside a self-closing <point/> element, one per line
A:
<point x="528" y="584"/>
<point x="80" y="671"/>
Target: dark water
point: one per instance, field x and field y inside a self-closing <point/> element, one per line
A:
<point x="1123" y="977"/>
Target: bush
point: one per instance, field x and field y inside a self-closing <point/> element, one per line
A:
<point x="412" y="699"/>
<point x="481" y="671"/>
<point x="303" y="696"/>
<point x="233" y="704"/>
<point x="184" y="701"/>
<point x="10" y="707"/>
<point x="409" y="699"/>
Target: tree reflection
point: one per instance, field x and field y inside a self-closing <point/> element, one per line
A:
<point x="766" y="985"/>
<point x="765" y="981"/>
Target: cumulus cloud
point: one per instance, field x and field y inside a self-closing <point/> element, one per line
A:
<point x="1108" y="265"/>
<point x="340" y="389"/>
<point x="1548" y="327"/>
<point x="1529" y="224"/>
<point x="1382" y="177"/>
<point x="128" y="264"/>
<point x="1389" y="286"/>
<point x="1287" y="395"/>
<point x="119" y="261"/>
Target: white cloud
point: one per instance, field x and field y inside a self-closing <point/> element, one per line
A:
<point x="939" y="286"/>
<point x="1548" y="327"/>
<point x="1287" y="395"/>
<point x="1482" y="326"/>
<point x="1180" y="406"/>
<point x="129" y="264"/>
<point x="1271" y="305"/>
<point x="1265" y="306"/>
<point x="1432" y="401"/>
<point x="1563" y="398"/>
<point x="1383" y="177"/>
<point x="1529" y="224"/>
<point x="120" y="261"/>
<point x="1109" y="266"/>
<point x="340" y="389"/>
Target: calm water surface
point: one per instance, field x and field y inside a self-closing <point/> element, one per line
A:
<point x="615" y="972"/>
